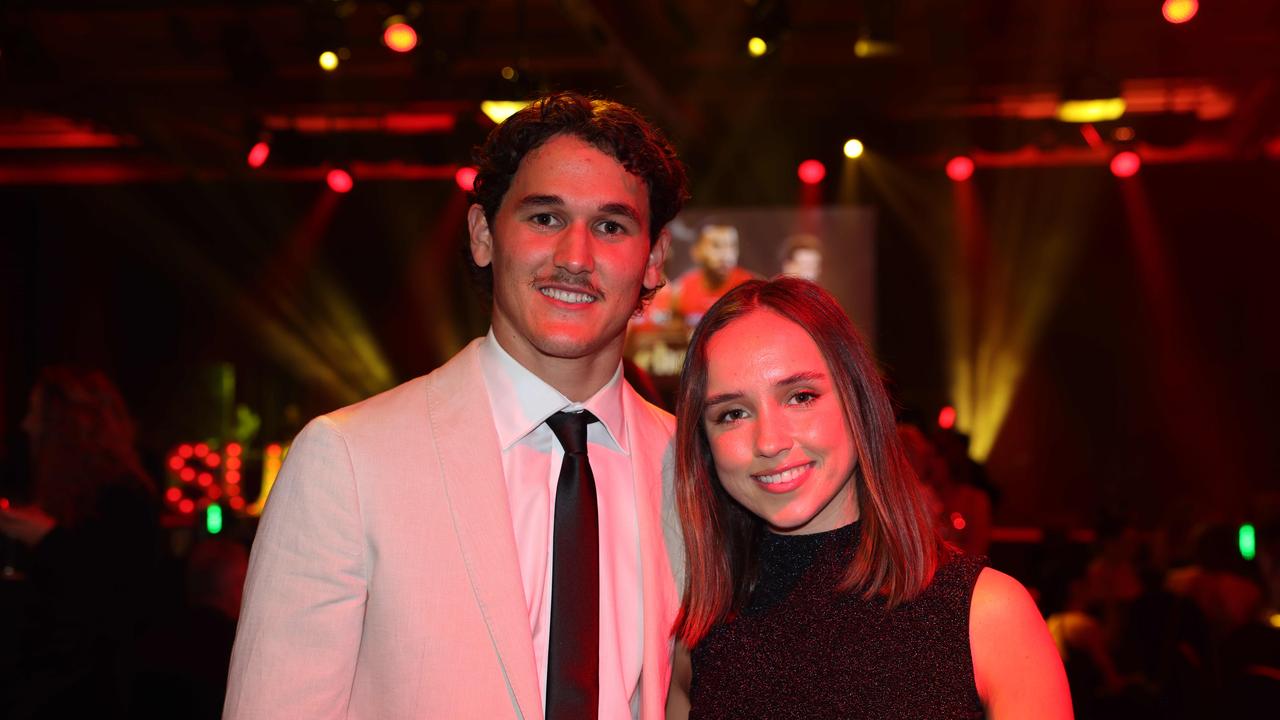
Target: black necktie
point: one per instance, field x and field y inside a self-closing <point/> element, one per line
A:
<point x="573" y="653"/>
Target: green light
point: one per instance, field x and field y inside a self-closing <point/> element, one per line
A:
<point x="1248" y="542"/>
<point x="213" y="519"/>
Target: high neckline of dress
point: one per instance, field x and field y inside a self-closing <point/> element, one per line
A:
<point x="806" y="545"/>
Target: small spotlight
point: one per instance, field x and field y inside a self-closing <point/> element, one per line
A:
<point x="328" y="60"/>
<point x="960" y="168"/>
<point x="258" y="154"/>
<point x="1179" y="11"/>
<point x="499" y="110"/>
<point x="1125" y="164"/>
<point x="756" y="47"/>
<point x="853" y="148"/>
<point x="398" y="35"/>
<point x="339" y="180"/>
<point x="509" y="73"/>
<point x="1123" y="134"/>
<point x="466" y="178"/>
<point x="947" y="418"/>
<point x="811" y="172"/>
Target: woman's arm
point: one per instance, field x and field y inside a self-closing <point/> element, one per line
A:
<point x="1015" y="663"/>
<point x="681" y="679"/>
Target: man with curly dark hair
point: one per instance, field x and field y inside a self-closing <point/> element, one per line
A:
<point x="493" y="539"/>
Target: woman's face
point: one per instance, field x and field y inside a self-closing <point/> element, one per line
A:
<point x="776" y="426"/>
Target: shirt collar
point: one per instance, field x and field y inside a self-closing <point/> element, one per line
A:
<point x="521" y="401"/>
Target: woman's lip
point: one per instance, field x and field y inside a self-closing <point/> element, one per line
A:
<point x="786" y="485"/>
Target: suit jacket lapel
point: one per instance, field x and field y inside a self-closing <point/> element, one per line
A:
<point x="659" y="588"/>
<point x="471" y="467"/>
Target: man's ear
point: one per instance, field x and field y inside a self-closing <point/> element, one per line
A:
<point x="481" y="237"/>
<point x="657" y="259"/>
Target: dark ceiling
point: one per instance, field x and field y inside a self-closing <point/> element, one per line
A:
<point x="110" y="91"/>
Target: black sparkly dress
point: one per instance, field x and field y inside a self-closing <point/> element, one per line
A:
<point x="802" y="649"/>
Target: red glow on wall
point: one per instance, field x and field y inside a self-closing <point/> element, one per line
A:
<point x="258" y="154"/>
<point x="466" y="178"/>
<point x="947" y="418"/>
<point x="339" y="180"/>
<point x="1180" y="11"/>
<point x="187" y="474"/>
<point x="1125" y="164"/>
<point x="960" y="168"/>
<point x="4" y="503"/>
<point x="186" y="506"/>
<point x="811" y="172"/>
<point x="399" y="36"/>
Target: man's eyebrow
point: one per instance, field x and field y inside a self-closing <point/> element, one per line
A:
<point x="622" y="209"/>
<point x="540" y="200"/>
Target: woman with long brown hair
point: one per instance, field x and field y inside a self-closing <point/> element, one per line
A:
<point x="817" y="585"/>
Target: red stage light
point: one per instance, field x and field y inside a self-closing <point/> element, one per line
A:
<point x="233" y="463"/>
<point x="236" y="503"/>
<point x="957" y="521"/>
<point x="232" y="477"/>
<point x="201" y="450"/>
<point x="1125" y="164"/>
<point x="258" y="154"/>
<point x="339" y="180"/>
<point x="811" y="172"/>
<point x="214" y="492"/>
<point x="960" y="168"/>
<point x="186" y="506"/>
<point x="466" y="178"/>
<point x="399" y="36"/>
<point x="4" y="503"/>
<point x="184" y="451"/>
<point x="233" y="449"/>
<point x="212" y="460"/>
<point x="176" y="462"/>
<point x="233" y="489"/>
<point x="205" y="479"/>
<point x="273" y="450"/>
<point x="947" y="418"/>
<point x="173" y="494"/>
<point x="187" y="474"/>
<point x="1179" y="11"/>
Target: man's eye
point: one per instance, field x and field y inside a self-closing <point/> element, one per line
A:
<point x="543" y="219"/>
<point x="610" y="227"/>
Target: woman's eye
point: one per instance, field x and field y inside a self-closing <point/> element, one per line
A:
<point x="729" y="416"/>
<point x="804" y="397"/>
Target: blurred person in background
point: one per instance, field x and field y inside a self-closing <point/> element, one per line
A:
<point x="91" y="541"/>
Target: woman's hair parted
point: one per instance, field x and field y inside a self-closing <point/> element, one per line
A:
<point x="899" y="549"/>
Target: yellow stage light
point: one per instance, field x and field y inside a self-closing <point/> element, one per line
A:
<point x="756" y="46"/>
<point x="853" y="148"/>
<point x="499" y="110"/>
<point x="1090" y="111"/>
<point x="328" y="60"/>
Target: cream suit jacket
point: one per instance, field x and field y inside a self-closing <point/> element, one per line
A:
<point x="384" y="581"/>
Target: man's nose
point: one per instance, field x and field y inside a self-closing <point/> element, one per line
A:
<point x="574" y="249"/>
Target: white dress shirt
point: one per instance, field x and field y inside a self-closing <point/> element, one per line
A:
<point x="531" y="458"/>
